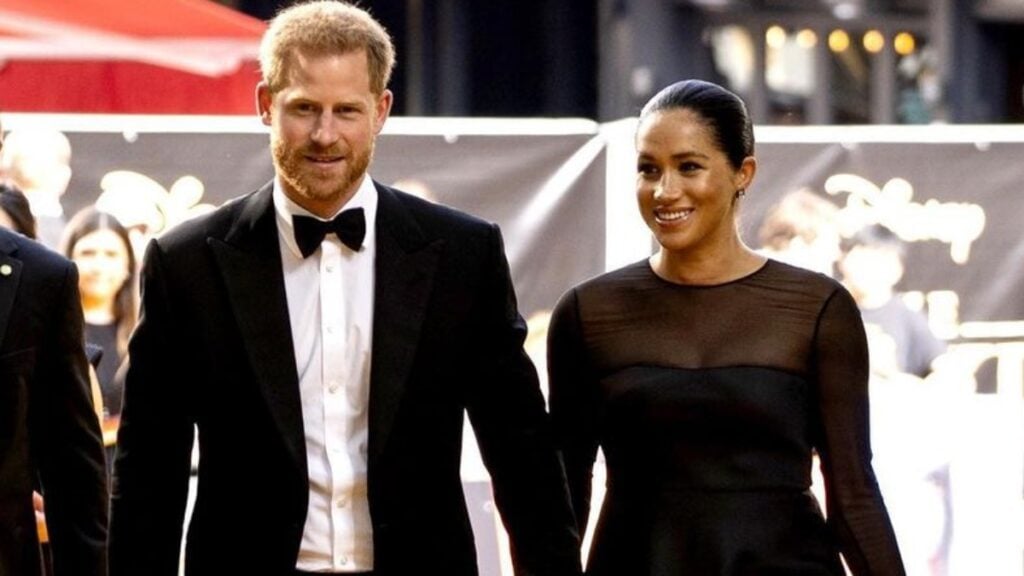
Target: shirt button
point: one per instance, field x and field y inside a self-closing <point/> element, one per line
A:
<point x="330" y="329"/>
<point x="332" y="386"/>
<point x="343" y="560"/>
<point x="342" y="502"/>
<point x="329" y="267"/>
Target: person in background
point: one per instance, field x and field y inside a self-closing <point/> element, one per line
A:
<point x="49" y="434"/>
<point x="100" y="247"/>
<point x="709" y="374"/>
<point x="15" y="213"/>
<point x="325" y="335"/>
<point x="801" y="229"/>
<point x="913" y="461"/>
<point x="38" y="162"/>
<point x="870" y="268"/>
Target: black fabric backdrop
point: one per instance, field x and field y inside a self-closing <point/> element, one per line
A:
<point x="516" y="180"/>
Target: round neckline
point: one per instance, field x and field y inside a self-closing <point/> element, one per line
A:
<point x="646" y="263"/>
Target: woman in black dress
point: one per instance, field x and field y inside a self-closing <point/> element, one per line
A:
<point x="102" y="250"/>
<point x="709" y="375"/>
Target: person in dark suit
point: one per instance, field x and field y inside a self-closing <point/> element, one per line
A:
<point x="49" y="433"/>
<point x="327" y="371"/>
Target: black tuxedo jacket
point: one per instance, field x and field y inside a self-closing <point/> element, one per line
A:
<point x="49" y="433"/>
<point x="213" y="349"/>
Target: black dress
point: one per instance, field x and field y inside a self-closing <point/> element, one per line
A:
<point x="112" y="388"/>
<point x="708" y="402"/>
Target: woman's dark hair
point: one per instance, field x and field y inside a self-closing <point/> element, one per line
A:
<point x="14" y="203"/>
<point x="90" y="220"/>
<point x="723" y="112"/>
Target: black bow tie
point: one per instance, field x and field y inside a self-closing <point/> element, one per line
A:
<point x="349" y="226"/>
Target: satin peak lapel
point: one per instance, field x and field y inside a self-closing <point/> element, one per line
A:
<point x="250" y="262"/>
<point x="405" y="269"/>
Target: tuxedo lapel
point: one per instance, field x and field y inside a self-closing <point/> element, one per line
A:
<point x="250" y="262"/>
<point x="10" y="276"/>
<point x="249" y="258"/>
<point x="405" y="267"/>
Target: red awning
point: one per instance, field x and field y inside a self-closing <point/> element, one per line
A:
<point x="172" y="56"/>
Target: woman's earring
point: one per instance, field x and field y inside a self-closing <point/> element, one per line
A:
<point x="741" y="193"/>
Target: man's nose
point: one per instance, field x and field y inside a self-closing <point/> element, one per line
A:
<point x="325" y="132"/>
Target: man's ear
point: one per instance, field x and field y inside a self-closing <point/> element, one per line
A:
<point x="383" y="109"/>
<point x="263" y="101"/>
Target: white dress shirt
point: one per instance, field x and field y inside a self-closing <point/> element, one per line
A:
<point x="330" y="306"/>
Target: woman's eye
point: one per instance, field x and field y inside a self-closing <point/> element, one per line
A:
<point x="646" y="169"/>
<point x="689" y="167"/>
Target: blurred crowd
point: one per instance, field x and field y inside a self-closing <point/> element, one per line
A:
<point x="35" y="171"/>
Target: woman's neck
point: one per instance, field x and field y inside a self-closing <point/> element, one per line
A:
<point x="98" y="310"/>
<point x="719" y="266"/>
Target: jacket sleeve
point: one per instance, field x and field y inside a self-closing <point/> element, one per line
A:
<point x="68" y="444"/>
<point x="153" y="462"/>
<point x="506" y="409"/>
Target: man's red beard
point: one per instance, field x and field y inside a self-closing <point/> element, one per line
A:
<point x="297" y="172"/>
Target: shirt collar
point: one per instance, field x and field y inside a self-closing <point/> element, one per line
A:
<point x="284" y="207"/>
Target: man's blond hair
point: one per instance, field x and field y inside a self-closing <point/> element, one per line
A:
<point x="325" y="27"/>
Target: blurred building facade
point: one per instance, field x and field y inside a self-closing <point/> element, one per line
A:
<point x="794" y="61"/>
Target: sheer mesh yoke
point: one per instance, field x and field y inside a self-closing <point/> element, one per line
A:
<point x="708" y="402"/>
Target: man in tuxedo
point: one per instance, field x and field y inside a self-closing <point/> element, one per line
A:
<point x="325" y="335"/>
<point x="49" y="433"/>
